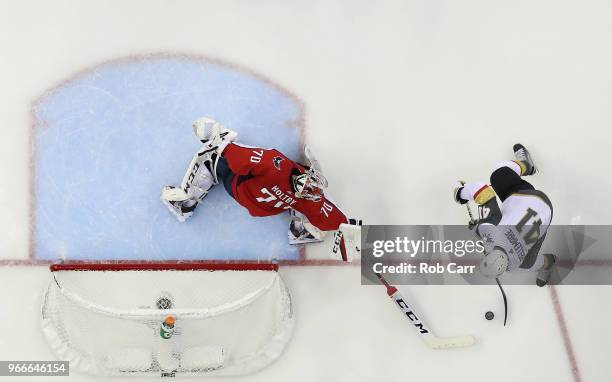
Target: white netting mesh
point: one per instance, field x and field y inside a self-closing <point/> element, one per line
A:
<point x="228" y="322"/>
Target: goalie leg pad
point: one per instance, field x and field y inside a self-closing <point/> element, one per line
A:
<point x="173" y="194"/>
<point x="197" y="182"/>
<point x="182" y="209"/>
<point x="199" y="178"/>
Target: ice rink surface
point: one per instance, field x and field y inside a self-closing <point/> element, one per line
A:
<point x="399" y="100"/>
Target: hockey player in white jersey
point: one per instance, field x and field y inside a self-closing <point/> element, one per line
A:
<point x="513" y="233"/>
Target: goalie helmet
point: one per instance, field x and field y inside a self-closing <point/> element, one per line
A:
<point x="494" y="264"/>
<point x="309" y="185"/>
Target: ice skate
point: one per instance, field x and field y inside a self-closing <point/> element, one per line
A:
<point x="521" y="154"/>
<point x="544" y="273"/>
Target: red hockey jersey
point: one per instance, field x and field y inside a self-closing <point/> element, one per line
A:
<point x="263" y="186"/>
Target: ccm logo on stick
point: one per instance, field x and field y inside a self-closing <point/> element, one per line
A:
<point x="410" y="314"/>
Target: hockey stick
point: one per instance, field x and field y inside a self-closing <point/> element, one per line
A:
<point x="505" y="301"/>
<point x="426" y="334"/>
<point x="471" y="225"/>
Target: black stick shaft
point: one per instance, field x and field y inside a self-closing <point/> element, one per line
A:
<point x="505" y="301"/>
<point x="472" y="221"/>
<point x="382" y="280"/>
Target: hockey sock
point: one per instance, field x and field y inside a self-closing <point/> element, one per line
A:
<point x="517" y="166"/>
<point x="478" y="192"/>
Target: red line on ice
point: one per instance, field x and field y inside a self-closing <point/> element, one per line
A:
<point x="567" y="342"/>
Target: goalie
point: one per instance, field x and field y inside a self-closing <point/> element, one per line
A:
<point x="514" y="233"/>
<point x="264" y="181"/>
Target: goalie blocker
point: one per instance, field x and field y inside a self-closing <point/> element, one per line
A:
<point x="349" y="244"/>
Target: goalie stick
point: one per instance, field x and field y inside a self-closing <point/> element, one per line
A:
<point x="426" y="334"/>
<point x="473" y="222"/>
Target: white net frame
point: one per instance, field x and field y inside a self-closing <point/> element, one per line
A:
<point x="105" y="318"/>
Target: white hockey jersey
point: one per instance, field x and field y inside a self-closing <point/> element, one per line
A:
<point x="525" y="218"/>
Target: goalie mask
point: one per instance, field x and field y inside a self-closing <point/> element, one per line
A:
<point x="309" y="185"/>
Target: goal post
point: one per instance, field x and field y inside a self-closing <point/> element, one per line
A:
<point x="166" y="318"/>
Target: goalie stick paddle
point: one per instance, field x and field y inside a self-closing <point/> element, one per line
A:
<point x="425" y="333"/>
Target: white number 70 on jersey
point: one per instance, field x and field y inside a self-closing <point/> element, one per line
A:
<point x="270" y="198"/>
<point x="326" y="208"/>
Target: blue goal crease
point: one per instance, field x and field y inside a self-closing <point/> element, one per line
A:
<point x="116" y="135"/>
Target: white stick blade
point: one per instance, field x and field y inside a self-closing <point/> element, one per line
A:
<point x="440" y="343"/>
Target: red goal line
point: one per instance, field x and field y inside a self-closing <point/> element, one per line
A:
<point x="161" y="265"/>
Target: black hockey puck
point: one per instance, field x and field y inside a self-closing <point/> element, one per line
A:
<point x="489" y="315"/>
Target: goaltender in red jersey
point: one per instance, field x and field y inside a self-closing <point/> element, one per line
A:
<point x="264" y="181"/>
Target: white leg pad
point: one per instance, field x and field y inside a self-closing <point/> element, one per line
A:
<point x="198" y="180"/>
<point x="174" y="194"/>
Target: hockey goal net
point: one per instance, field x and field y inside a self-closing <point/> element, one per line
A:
<point x="108" y="319"/>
